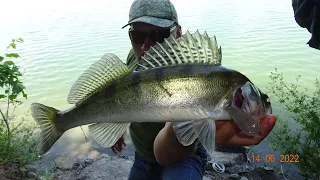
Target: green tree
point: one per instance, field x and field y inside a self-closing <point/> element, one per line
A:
<point x="9" y="81"/>
<point x="303" y="108"/>
<point x="16" y="144"/>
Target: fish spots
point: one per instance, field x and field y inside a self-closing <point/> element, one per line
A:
<point x="118" y="101"/>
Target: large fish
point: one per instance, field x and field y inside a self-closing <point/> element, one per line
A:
<point x="180" y="80"/>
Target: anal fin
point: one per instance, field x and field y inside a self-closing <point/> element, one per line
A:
<point x="107" y="134"/>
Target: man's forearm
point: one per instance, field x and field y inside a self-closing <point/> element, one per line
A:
<point x="167" y="148"/>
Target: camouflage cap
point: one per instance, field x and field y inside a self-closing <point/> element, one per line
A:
<point x="156" y="12"/>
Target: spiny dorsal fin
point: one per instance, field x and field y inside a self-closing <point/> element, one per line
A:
<point x="189" y="48"/>
<point x="99" y="74"/>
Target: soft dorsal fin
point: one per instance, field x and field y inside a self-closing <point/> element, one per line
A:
<point x="190" y="48"/>
<point x="99" y="74"/>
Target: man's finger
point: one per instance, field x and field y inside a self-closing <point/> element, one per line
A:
<point x="225" y="132"/>
<point x="114" y="149"/>
<point x="219" y="123"/>
<point x="244" y="135"/>
<point x="266" y="124"/>
<point x="117" y="148"/>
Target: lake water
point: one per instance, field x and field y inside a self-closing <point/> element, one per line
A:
<point x="63" y="38"/>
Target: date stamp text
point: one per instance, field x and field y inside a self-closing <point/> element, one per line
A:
<point x="271" y="158"/>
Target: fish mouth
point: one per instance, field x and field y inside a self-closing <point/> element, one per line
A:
<point x="251" y="100"/>
<point x="246" y="110"/>
<point x="238" y="98"/>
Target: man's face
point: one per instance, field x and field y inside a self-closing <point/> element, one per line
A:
<point x="141" y="43"/>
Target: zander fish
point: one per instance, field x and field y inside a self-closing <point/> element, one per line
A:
<point x="180" y="80"/>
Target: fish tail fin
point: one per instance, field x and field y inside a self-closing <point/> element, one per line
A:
<point x="46" y="118"/>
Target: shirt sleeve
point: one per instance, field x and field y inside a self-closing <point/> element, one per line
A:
<point x="130" y="58"/>
<point x="132" y="62"/>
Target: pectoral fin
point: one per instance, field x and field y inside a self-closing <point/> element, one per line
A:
<point x="187" y="132"/>
<point x="245" y="122"/>
<point x="184" y="132"/>
<point x="206" y="131"/>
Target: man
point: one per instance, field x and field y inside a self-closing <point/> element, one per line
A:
<point x="158" y="154"/>
<point x="307" y="15"/>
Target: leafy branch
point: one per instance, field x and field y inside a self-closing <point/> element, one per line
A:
<point x="303" y="108"/>
<point x="10" y="82"/>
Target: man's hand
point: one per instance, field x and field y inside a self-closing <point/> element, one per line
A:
<point x="228" y="134"/>
<point x="168" y="150"/>
<point x="119" y="145"/>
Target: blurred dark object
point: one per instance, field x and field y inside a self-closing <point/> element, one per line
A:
<point x="307" y="15"/>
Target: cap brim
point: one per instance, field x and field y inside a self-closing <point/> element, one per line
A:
<point x="152" y="20"/>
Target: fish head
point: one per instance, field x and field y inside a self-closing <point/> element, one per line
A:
<point x="252" y="104"/>
<point x="250" y="99"/>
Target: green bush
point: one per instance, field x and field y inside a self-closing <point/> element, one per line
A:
<point x="20" y="147"/>
<point x="17" y="143"/>
<point x="303" y="109"/>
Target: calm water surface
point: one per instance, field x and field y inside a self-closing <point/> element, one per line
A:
<point x="63" y="38"/>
